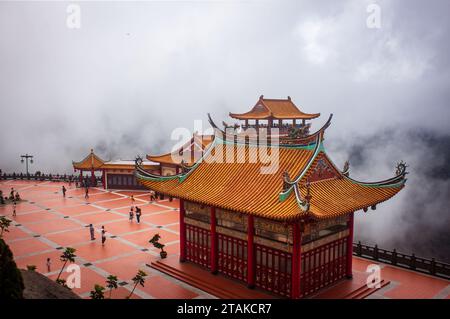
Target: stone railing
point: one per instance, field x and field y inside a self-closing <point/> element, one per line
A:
<point x="412" y="262"/>
<point x="48" y="177"/>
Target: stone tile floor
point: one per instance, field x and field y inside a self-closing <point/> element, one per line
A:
<point x="46" y="221"/>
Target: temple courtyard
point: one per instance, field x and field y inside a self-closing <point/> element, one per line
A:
<point x="47" y="222"/>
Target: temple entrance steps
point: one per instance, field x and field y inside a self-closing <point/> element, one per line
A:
<point x="356" y="288"/>
<point x="365" y="291"/>
<point x="217" y="285"/>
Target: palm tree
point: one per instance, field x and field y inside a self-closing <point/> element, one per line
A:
<point x="4" y="224"/>
<point x="138" y="279"/>
<point x="97" y="293"/>
<point x="67" y="255"/>
<point x="111" y="283"/>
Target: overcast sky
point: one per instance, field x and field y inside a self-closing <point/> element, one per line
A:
<point x="134" y="71"/>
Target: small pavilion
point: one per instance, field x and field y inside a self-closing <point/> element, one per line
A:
<point x="173" y="162"/>
<point x="90" y="163"/>
<point x="270" y="113"/>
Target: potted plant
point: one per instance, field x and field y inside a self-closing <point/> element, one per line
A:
<point x="155" y="241"/>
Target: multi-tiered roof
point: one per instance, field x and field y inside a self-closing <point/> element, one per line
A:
<point x="304" y="183"/>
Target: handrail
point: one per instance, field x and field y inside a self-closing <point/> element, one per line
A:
<point x="411" y="262"/>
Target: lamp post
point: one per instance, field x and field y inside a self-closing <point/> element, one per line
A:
<point x="26" y="157"/>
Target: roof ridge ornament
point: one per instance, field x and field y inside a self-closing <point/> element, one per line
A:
<point x="401" y="168"/>
<point x="346" y="170"/>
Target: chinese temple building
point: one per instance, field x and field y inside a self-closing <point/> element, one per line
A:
<point x="275" y="113"/>
<point x="115" y="174"/>
<point x="288" y="230"/>
<point x="171" y="163"/>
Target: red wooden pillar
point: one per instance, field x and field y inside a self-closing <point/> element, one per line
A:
<point x="93" y="177"/>
<point x="104" y="178"/>
<point x="250" y="252"/>
<point x="213" y="241"/>
<point x="182" y="232"/>
<point x="296" y="260"/>
<point x="350" y="223"/>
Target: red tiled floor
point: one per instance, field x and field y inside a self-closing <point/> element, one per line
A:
<point x="99" y="218"/>
<point x="27" y="246"/>
<point x="14" y="233"/>
<point x="21" y="207"/>
<point x="103" y="196"/>
<point x="89" y="279"/>
<point x="117" y="203"/>
<point x="35" y="217"/>
<point x="160" y="287"/>
<point x="175" y="227"/>
<point x="40" y="261"/>
<point x="126" y="267"/>
<point x="94" y="251"/>
<point x="142" y="238"/>
<point x="53" y="226"/>
<point x="412" y="285"/>
<point x="163" y="218"/>
<point x="146" y="208"/>
<point x="174" y="203"/>
<point x="72" y="237"/>
<point x="60" y="202"/>
<point x="121" y="293"/>
<point x="76" y="210"/>
<point x="122" y="227"/>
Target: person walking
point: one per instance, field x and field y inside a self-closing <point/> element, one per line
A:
<point x="86" y="194"/>
<point x="14" y="209"/>
<point x="138" y="215"/>
<point x="92" y="231"/>
<point x="64" y="191"/>
<point x="132" y="198"/>
<point x="11" y="194"/>
<point x="131" y="214"/>
<point x="103" y="235"/>
<point x="49" y="264"/>
<point x="152" y="196"/>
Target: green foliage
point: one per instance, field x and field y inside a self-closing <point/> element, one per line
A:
<point x="31" y="267"/>
<point x="139" y="279"/>
<point x="11" y="282"/>
<point x="111" y="283"/>
<point x="62" y="282"/>
<point x="155" y="241"/>
<point x="97" y="293"/>
<point x="4" y="225"/>
<point x="67" y="256"/>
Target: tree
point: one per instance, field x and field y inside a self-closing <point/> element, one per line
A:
<point x="67" y="255"/>
<point x="31" y="267"/>
<point x="11" y="282"/>
<point x="139" y="279"/>
<point x="155" y="241"/>
<point x="97" y="293"/>
<point x="4" y="225"/>
<point x="111" y="283"/>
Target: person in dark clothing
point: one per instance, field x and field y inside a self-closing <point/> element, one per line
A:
<point x="103" y="235"/>
<point x="64" y="191"/>
<point x="138" y="215"/>
<point x="92" y="231"/>
<point x="86" y="194"/>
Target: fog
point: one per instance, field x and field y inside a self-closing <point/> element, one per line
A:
<point x="135" y="71"/>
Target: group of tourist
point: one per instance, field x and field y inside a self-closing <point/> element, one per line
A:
<point x="13" y="196"/>
<point x="92" y="232"/>
<point x="138" y="214"/>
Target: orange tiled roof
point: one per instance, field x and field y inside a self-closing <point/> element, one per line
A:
<point x="274" y="108"/>
<point x="242" y="188"/>
<point x="91" y="161"/>
<point x="197" y="144"/>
